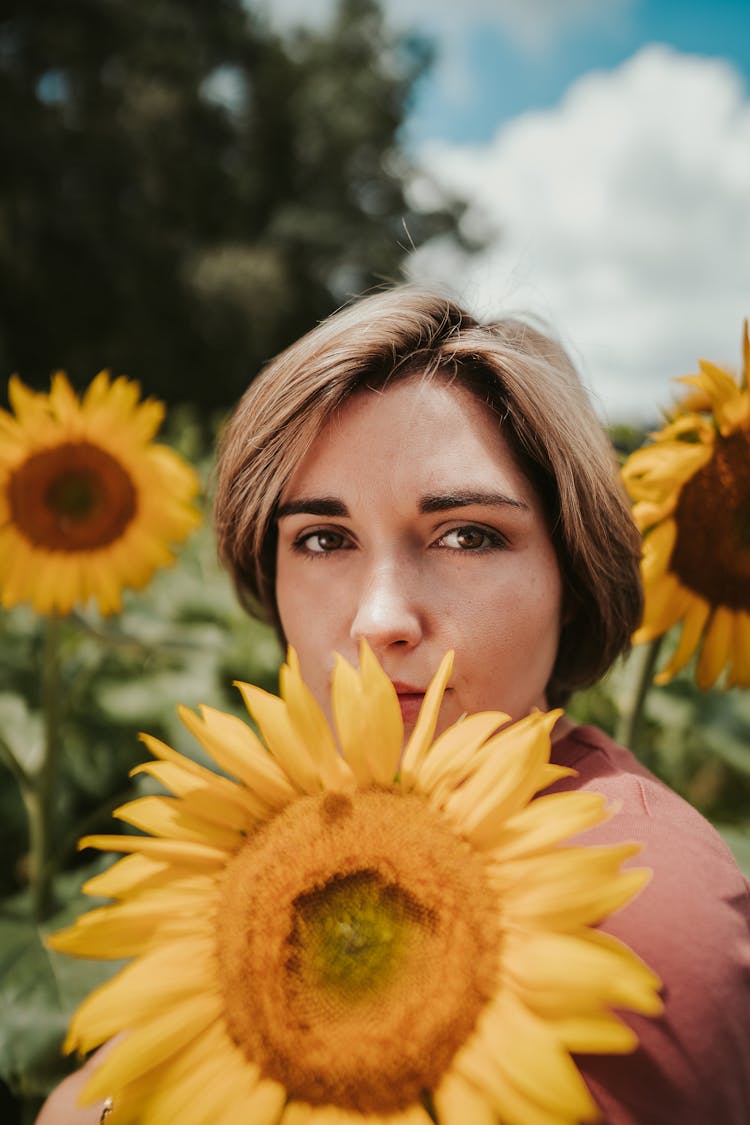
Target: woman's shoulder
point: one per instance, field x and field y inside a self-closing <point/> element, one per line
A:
<point x="691" y="924"/>
<point x="641" y="802"/>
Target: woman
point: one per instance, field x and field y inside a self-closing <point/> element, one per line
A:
<point x="406" y="475"/>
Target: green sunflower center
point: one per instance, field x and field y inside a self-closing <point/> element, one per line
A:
<point x="711" y="555"/>
<point x="71" y="497"/>
<point x="352" y="933"/>
<point x="357" y="942"/>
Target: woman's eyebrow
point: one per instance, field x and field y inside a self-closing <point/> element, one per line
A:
<point x="442" y="502"/>
<point x="313" y="506"/>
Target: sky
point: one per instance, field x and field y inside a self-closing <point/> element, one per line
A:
<point x="602" y="148"/>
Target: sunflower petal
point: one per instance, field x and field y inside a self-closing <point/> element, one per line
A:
<point x="506" y="779"/>
<point x="163" y="976"/>
<point x="311" y="727"/>
<point x="692" y="628"/>
<point x="592" y="970"/>
<point x="458" y="1102"/>
<point x="383" y="715"/>
<point x="739" y="675"/>
<point x="715" y="648"/>
<point x="424" y="728"/>
<point x="547" y="821"/>
<point x="170" y="819"/>
<point x="455" y="754"/>
<point x="145" y="1047"/>
<point x="235" y="748"/>
<point x="283" y="740"/>
<point x="515" y="1046"/>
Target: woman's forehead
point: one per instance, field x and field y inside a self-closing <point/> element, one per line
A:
<point x="425" y="434"/>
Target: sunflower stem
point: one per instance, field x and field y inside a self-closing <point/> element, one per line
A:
<point x="41" y="795"/>
<point x="15" y="767"/>
<point x="630" y="725"/>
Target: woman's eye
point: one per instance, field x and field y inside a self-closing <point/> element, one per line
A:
<point x="470" y="538"/>
<point x="321" y="542"/>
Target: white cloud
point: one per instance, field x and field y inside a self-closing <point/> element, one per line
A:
<point x="623" y="215"/>
<point x="532" y="26"/>
<point x="529" y="24"/>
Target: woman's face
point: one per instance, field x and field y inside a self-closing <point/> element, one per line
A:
<point x="410" y="524"/>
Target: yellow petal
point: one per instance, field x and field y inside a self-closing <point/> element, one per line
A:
<point x="458" y="1102"/>
<point x="211" y="1081"/>
<point x="657" y="550"/>
<point x="64" y="402"/>
<point x="281" y="738"/>
<point x="352" y="728"/>
<point x="170" y="819"/>
<point x="297" y="1113"/>
<point x="514" y="1044"/>
<point x="181" y="852"/>
<point x="224" y="804"/>
<point x="595" y="974"/>
<point x="424" y="728"/>
<point x="547" y="821"/>
<point x="144" y="1048"/>
<point x="454" y="755"/>
<point x="263" y="1106"/>
<point x="125" y="930"/>
<point x="596" y="1035"/>
<point x="311" y="727"/>
<point x="126" y="874"/>
<point x="729" y="402"/>
<point x="692" y="628"/>
<point x="511" y="1106"/>
<point x="235" y="748"/>
<point x="568" y="888"/>
<point x="667" y="602"/>
<point x="168" y="974"/>
<point x="646" y="513"/>
<point x="715" y="648"/>
<point x="28" y="405"/>
<point x="383" y="715"/>
<point x="506" y="779"/>
<point x="739" y="675"/>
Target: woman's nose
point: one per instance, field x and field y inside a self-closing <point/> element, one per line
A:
<point x="386" y="614"/>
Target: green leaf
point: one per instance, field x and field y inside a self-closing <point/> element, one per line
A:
<point x="22" y="731"/>
<point x="39" y="990"/>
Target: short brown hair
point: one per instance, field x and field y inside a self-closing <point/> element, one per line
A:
<point x="522" y="374"/>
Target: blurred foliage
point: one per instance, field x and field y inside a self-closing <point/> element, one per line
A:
<point x="184" y="192"/>
<point x="626" y="438"/>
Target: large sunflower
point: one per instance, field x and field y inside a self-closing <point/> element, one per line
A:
<point x="692" y="493"/>
<point x="336" y="938"/>
<point x="88" y="503"/>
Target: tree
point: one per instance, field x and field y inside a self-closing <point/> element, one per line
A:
<point x="185" y="192"/>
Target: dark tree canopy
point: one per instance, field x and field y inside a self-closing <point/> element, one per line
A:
<point x="183" y="192"/>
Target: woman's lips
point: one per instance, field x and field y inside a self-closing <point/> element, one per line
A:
<point x="410" y="701"/>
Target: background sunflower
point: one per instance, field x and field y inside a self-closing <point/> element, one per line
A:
<point x="88" y="503"/>
<point x="691" y="489"/>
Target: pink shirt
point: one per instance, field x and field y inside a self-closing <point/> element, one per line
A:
<point x="692" y="926"/>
